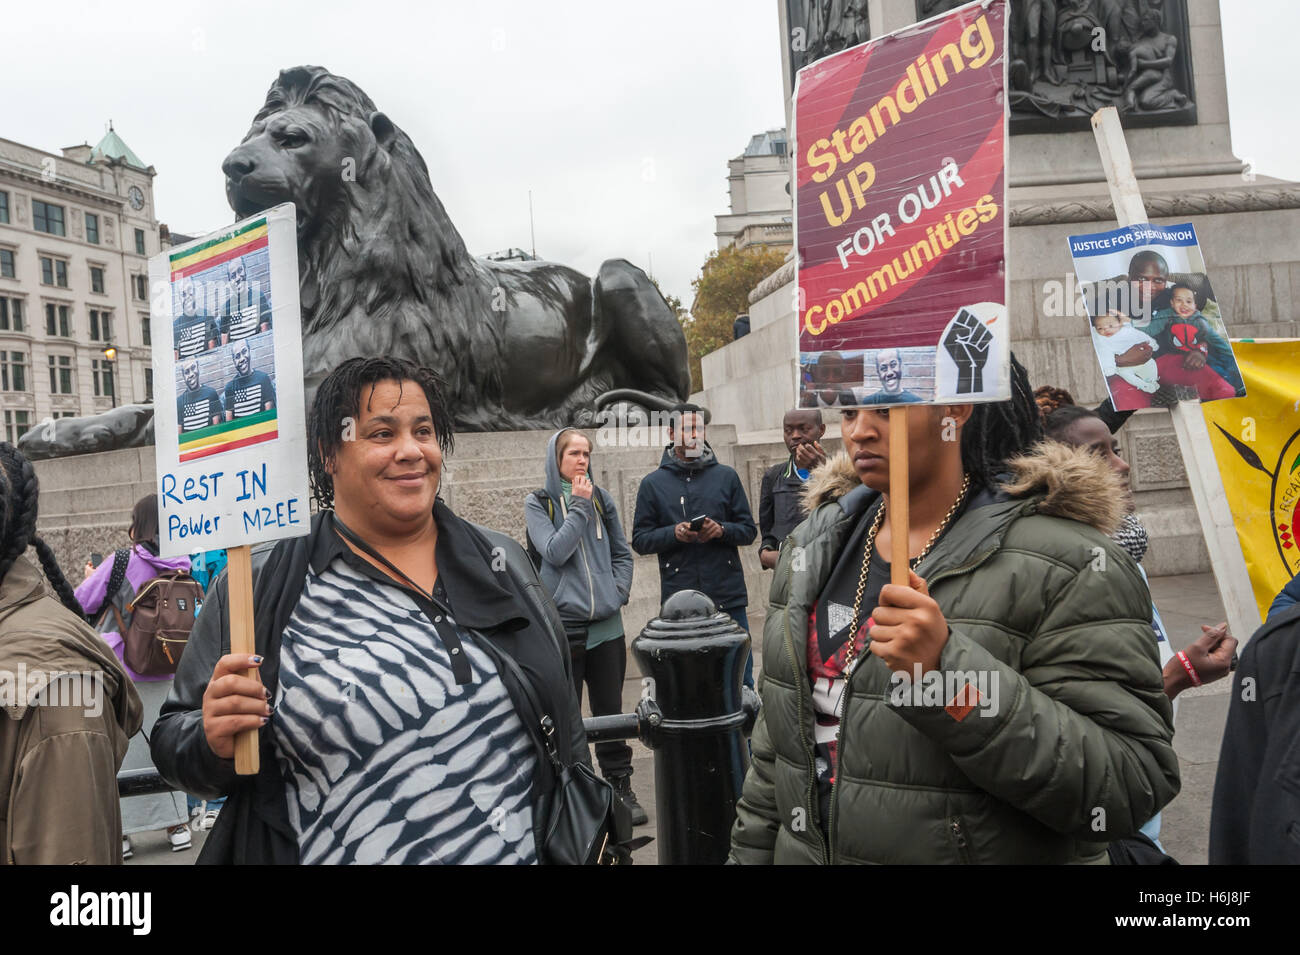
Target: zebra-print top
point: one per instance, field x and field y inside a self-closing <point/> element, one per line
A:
<point x="387" y="759"/>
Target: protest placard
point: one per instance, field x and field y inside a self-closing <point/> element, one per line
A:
<point x="230" y="426"/>
<point x="1208" y="491"/>
<point x="1155" y="323"/>
<point x="900" y="216"/>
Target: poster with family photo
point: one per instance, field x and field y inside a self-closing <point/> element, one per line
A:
<point x="1154" y="320"/>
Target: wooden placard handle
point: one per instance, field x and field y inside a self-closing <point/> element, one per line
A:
<point x="899" y="518"/>
<point x="239" y="578"/>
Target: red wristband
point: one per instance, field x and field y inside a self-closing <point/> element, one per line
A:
<point x="1191" y="670"/>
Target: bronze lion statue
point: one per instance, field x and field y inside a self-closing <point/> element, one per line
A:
<point x="383" y="271"/>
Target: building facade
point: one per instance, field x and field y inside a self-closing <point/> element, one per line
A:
<point x="761" y="207"/>
<point x="76" y="233"/>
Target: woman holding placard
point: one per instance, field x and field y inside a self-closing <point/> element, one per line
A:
<point x="1006" y="707"/>
<point x="403" y="655"/>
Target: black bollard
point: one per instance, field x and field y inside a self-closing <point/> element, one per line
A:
<point x="695" y="657"/>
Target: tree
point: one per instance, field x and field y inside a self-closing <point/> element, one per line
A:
<point x="721" y="293"/>
<point x="673" y="301"/>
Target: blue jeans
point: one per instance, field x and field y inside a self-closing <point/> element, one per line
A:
<point x="738" y="614"/>
<point x="214" y="805"/>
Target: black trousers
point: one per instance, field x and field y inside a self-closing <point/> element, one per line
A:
<point x="603" y="668"/>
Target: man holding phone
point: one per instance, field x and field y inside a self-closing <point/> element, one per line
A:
<point x="693" y="512"/>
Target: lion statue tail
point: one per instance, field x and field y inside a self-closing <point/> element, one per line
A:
<point x="632" y="399"/>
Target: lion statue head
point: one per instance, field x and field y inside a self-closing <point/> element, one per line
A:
<point x="374" y="240"/>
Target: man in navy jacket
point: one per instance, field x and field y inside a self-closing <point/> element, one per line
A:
<point x="690" y="483"/>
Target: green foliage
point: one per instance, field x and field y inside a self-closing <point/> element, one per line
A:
<point x="721" y="293"/>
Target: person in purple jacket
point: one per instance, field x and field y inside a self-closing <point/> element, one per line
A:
<point x="157" y="811"/>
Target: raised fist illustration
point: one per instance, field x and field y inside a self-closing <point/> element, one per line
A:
<point x="968" y="343"/>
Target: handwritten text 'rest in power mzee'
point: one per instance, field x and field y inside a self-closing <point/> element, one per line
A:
<point x="260" y="513"/>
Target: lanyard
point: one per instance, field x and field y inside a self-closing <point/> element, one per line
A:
<point x="455" y="650"/>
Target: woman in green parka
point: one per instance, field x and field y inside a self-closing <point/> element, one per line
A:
<point x="1006" y="707"/>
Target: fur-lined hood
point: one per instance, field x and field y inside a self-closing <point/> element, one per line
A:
<point x="1075" y="483"/>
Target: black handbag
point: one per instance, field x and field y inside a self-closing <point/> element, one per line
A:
<point x="1138" y="849"/>
<point x="578" y="811"/>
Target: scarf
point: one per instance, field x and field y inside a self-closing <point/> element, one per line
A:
<point x="1132" y="536"/>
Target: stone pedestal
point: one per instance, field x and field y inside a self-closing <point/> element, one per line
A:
<point x="86" y="500"/>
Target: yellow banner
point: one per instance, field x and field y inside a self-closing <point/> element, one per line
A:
<point x="1256" y="441"/>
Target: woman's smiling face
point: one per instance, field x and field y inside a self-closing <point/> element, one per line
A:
<point x="387" y="477"/>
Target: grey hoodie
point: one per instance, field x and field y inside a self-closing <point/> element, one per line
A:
<point x="586" y="563"/>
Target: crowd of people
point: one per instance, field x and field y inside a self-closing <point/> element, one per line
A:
<point x="417" y="682"/>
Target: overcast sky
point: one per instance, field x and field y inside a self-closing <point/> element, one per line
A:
<point x="620" y="117"/>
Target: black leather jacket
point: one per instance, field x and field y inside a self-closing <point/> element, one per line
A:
<point x="254" y="827"/>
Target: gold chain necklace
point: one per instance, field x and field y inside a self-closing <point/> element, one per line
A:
<point x="866" y="562"/>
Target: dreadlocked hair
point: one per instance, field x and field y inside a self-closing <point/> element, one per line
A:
<point x="19" y="493"/>
<point x="337" y="407"/>
<point x="1001" y="429"/>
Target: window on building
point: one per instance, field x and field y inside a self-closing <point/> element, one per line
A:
<point x="139" y="242"/>
<point x="4" y="207"/>
<point x="13" y="371"/>
<point x="141" y="284"/>
<point x="101" y="325"/>
<point x="92" y="228"/>
<point x="17" y="424"/>
<point x="60" y="375"/>
<point x="54" y="271"/>
<point x="96" y="279"/>
<point x="148" y="384"/>
<point x="11" y="315"/>
<point x="58" y="320"/>
<point x="146" y="331"/>
<point x="102" y="375"/>
<point x="47" y="218"/>
<point x="6" y="262"/>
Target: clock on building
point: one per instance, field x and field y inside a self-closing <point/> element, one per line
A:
<point x="136" y="197"/>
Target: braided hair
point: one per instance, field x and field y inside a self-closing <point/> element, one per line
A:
<point x="19" y="492"/>
<point x="1000" y="430"/>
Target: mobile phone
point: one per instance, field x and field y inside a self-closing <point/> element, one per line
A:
<point x="697" y="523"/>
<point x="96" y="560"/>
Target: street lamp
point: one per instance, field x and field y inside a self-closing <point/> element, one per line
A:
<point x="110" y="354"/>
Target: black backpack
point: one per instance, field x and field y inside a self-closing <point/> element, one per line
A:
<point x="533" y="553"/>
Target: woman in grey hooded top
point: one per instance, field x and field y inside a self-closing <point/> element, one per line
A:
<point x="587" y="566"/>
